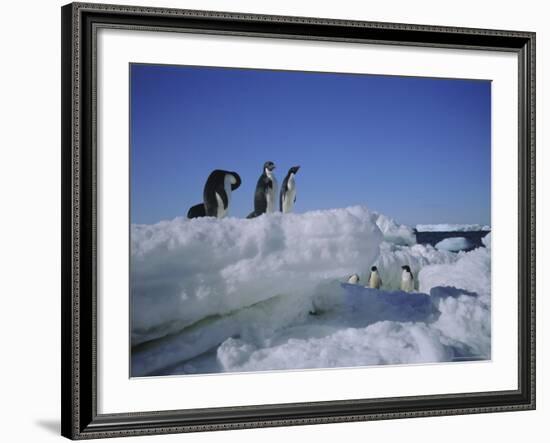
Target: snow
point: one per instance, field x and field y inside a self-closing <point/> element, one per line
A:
<point x="454" y="244"/>
<point x="394" y="232"/>
<point x="470" y="272"/>
<point x="256" y="322"/>
<point x="184" y="270"/>
<point x="465" y="322"/>
<point x="392" y="257"/>
<point x="380" y="343"/>
<point x="383" y="328"/>
<point x="444" y="227"/>
<point x="270" y="293"/>
<point x="464" y="318"/>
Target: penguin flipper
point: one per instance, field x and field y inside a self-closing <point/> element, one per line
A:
<point x="252" y="215"/>
<point x="260" y="202"/>
<point x="196" y="211"/>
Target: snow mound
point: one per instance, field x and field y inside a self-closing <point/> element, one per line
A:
<point x="268" y="293"/>
<point x="465" y="323"/>
<point x="380" y="343"/>
<point x="445" y="227"/>
<point x="392" y="257"/>
<point x="255" y="323"/>
<point x="343" y="326"/>
<point x="470" y="272"/>
<point x="372" y="328"/>
<point x="454" y="244"/>
<point x="184" y="271"/>
<point x="464" y="319"/>
<point x="395" y="232"/>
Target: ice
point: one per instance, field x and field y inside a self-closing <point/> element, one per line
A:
<point x="464" y="318"/>
<point x="364" y="327"/>
<point x="445" y="227"/>
<point x="392" y="257"/>
<point x="465" y="322"/>
<point x="454" y="244"/>
<point x="394" y="232"/>
<point x="470" y="272"/>
<point x="270" y="293"/>
<point x="255" y="323"/>
<point x="450" y="322"/>
<point x="381" y="343"/>
<point x="183" y="271"/>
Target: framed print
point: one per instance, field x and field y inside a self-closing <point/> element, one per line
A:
<point x="273" y="221"/>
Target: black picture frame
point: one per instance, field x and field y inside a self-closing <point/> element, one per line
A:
<point x="79" y="211"/>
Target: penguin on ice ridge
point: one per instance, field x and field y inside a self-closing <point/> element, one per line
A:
<point x="374" y="280"/>
<point x="288" y="190"/>
<point x="407" y="279"/>
<point x="266" y="191"/>
<point x="216" y="195"/>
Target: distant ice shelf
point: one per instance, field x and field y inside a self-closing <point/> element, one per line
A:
<point x="454" y="244"/>
<point x="444" y="227"/>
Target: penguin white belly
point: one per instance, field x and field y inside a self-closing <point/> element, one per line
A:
<point x="271" y="196"/>
<point x="289" y="196"/>
<point x="407" y="282"/>
<point x="375" y="281"/>
<point x="222" y="211"/>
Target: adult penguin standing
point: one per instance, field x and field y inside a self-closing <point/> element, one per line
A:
<point x="374" y="279"/>
<point x="288" y="190"/>
<point x="216" y="195"/>
<point x="407" y="279"/>
<point x="265" y="197"/>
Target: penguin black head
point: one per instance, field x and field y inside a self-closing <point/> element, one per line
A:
<point x="270" y="166"/>
<point x="406" y="268"/>
<point x="374" y="268"/>
<point x="237" y="180"/>
<point x="293" y="170"/>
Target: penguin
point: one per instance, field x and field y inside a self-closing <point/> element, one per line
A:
<point x="353" y="279"/>
<point x="374" y="280"/>
<point x="407" y="279"/>
<point x="288" y="191"/>
<point x="266" y="192"/>
<point x="216" y="195"/>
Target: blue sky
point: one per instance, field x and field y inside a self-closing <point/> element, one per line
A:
<point x="415" y="149"/>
